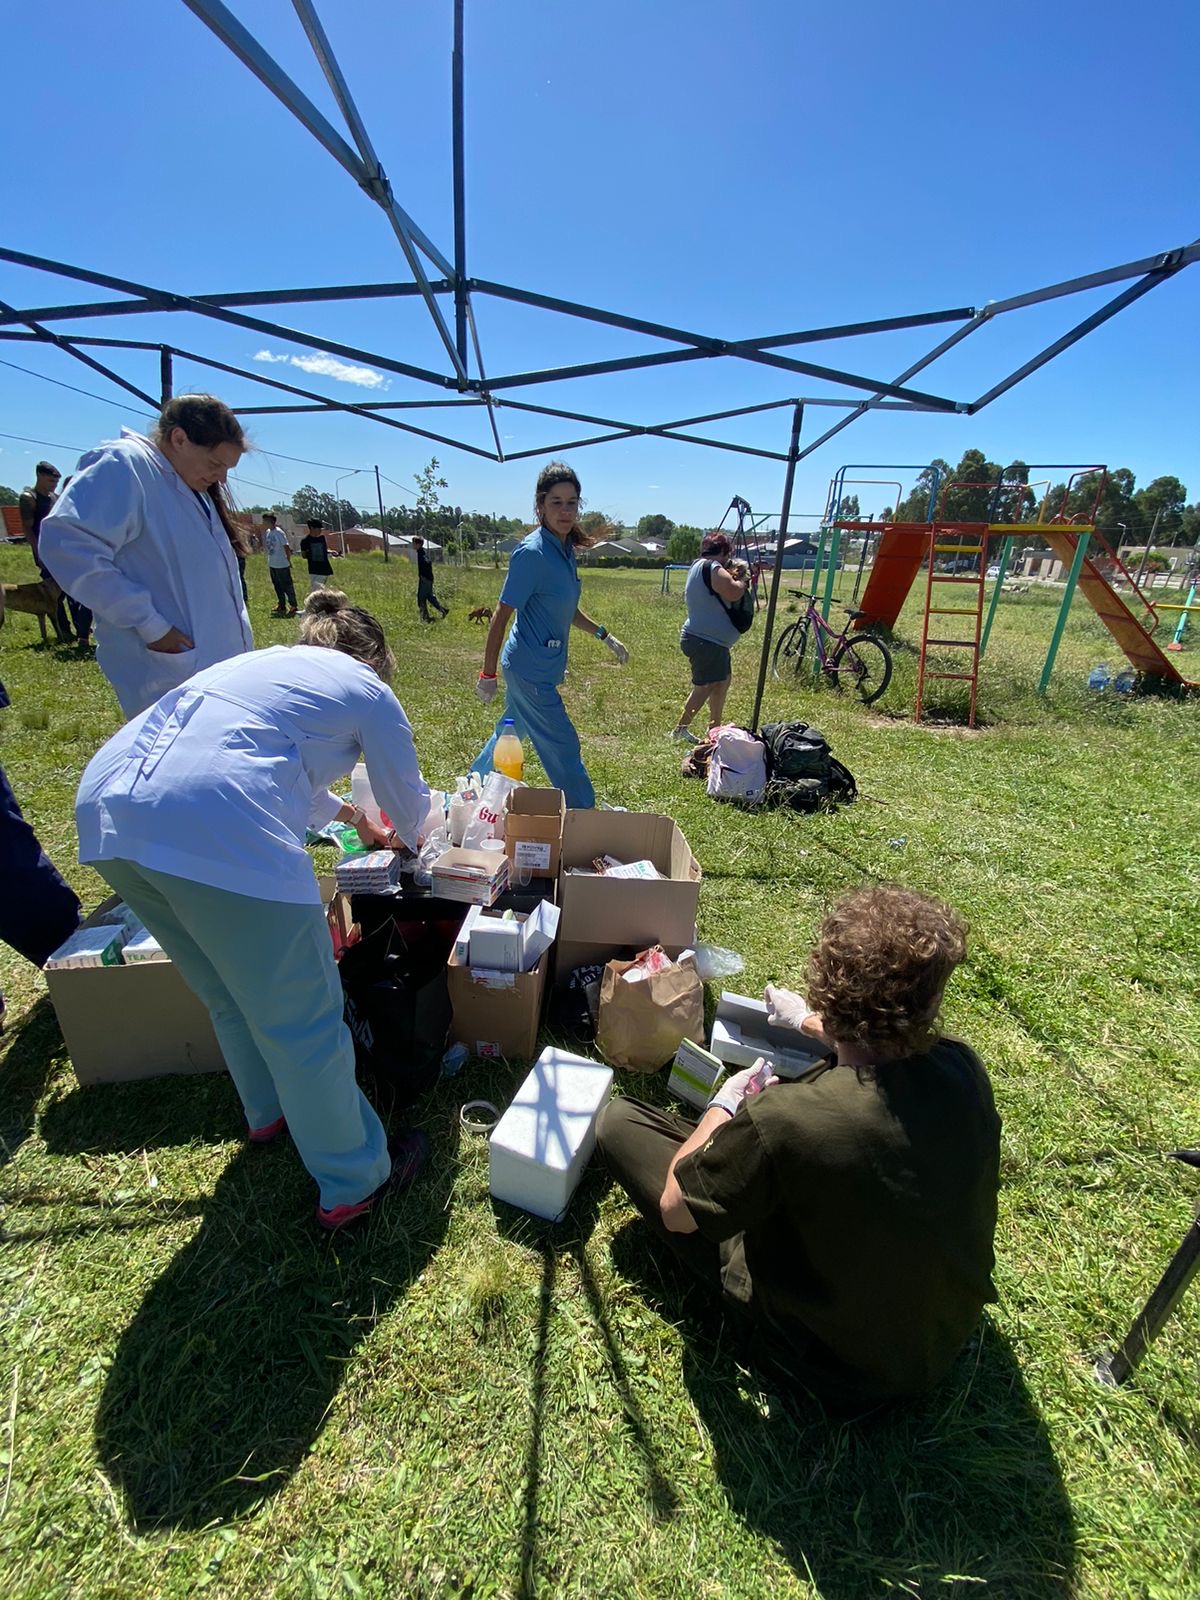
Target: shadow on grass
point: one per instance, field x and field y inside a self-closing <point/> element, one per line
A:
<point x="147" y="1114"/>
<point x="33" y="1048"/>
<point x="222" y="1381"/>
<point x="957" y="1493"/>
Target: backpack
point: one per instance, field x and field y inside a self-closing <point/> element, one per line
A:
<point x="741" y="612"/>
<point x="802" y="771"/>
<point x="738" y="769"/>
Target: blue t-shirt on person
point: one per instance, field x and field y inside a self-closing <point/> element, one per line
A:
<point x="543" y="588"/>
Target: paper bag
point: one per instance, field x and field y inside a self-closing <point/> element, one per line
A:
<point x="641" y="1025"/>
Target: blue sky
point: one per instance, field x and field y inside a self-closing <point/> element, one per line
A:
<point x="735" y="168"/>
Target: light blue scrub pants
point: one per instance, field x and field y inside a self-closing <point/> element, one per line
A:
<point x="539" y="715"/>
<point x="266" y="973"/>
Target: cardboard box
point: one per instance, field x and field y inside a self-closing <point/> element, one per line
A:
<point x="695" y="1074"/>
<point x="123" y="1023"/>
<point x="497" y="1013"/>
<point x="600" y="915"/>
<point x="512" y="944"/>
<point x="141" y="1021"/>
<point x="533" y="830"/>
<point x="542" y="1143"/>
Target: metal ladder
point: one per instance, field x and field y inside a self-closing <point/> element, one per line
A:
<point x="968" y="540"/>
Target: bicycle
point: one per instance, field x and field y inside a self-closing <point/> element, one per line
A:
<point x="861" y="657"/>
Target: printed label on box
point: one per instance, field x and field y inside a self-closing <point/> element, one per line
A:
<point x="488" y="1050"/>
<point x="486" y="978"/>
<point x="532" y="853"/>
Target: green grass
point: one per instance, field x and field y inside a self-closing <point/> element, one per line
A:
<point x="198" y="1395"/>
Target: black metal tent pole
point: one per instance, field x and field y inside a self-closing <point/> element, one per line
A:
<point x="45" y="336"/>
<point x="460" y="186"/>
<point x="166" y="372"/>
<point x="793" y="455"/>
<point x="167" y="300"/>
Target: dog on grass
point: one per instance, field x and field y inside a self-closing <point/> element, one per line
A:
<point x="480" y="614"/>
<point x="39" y="600"/>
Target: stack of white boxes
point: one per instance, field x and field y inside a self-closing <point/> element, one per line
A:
<point x="542" y="1143"/>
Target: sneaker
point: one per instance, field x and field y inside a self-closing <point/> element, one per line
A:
<point x="271" y="1131"/>
<point x="278" y="613"/>
<point x="684" y="736"/>
<point x="291" y="611"/>
<point x="408" y="1152"/>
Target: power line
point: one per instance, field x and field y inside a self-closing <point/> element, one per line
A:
<point x="50" y="444"/>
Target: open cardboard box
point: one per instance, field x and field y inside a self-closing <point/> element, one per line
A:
<point x="601" y="915"/>
<point x="497" y="1013"/>
<point x="128" y="1022"/>
<point x="533" y="830"/>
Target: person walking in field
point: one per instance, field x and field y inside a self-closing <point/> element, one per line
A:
<point x="315" y="550"/>
<point x="708" y="634"/>
<point x="425" y="594"/>
<point x="279" y="565"/>
<point x="542" y="591"/>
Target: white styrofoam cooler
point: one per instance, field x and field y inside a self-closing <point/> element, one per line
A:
<point x="542" y="1143"/>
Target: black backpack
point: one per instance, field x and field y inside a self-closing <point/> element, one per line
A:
<point x="802" y="771"/>
<point x="741" y="612"/>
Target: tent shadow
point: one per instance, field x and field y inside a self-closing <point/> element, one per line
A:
<point x="224" y="1377"/>
<point x="959" y="1492"/>
<point x="145" y="1114"/>
<point x="33" y="1047"/>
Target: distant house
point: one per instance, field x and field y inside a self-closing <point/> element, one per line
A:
<point x="620" y="550"/>
<point x="402" y="545"/>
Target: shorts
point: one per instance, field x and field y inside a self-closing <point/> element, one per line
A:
<point x="711" y="663"/>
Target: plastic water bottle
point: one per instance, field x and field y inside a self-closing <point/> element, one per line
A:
<point x="509" y="755"/>
<point x="362" y="795"/>
<point x="1124" y="682"/>
<point x="1099" y="677"/>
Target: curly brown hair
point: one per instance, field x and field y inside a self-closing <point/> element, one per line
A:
<point x="883" y="959"/>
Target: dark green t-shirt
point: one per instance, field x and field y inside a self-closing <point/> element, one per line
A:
<point x="856" y="1214"/>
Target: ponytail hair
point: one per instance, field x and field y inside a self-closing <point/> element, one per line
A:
<point x="330" y="620"/>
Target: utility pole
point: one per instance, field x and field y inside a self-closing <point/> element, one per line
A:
<point x="1149" y="542"/>
<point x="382" y="523"/>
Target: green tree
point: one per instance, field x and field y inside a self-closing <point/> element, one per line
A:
<point x="8" y="497"/>
<point x="656" y="527"/>
<point x="308" y="503"/>
<point x="1165" y="500"/>
<point x="428" y="483"/>
<point x="684" y="545"/>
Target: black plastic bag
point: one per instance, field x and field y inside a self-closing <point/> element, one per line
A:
<point x="398" y="1009"/>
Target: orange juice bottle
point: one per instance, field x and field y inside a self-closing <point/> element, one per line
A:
<point x="509" y="755"/>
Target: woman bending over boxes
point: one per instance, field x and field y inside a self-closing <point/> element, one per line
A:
<point x="195" y="813"/>
<point x="849" y="1215"/>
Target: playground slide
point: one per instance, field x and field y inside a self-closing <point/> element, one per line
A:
<point x="1138" y="646"/>
<point x="897" y="562"/>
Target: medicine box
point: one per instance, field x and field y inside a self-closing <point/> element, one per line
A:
<point x="506" y="942"/>
<point x="541" y="1145"/>
<point x="695" y="1074"/>
<point x="474" y="877"/>
<point x="741" y="1034"/>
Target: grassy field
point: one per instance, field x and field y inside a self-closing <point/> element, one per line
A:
<point x="199" y="1395"/>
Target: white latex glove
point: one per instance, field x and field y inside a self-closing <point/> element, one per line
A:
<point x="786" y="1008"/>
<point x="485" y="688"/>
<point x="750" y="1080"/>
<point x="618" y="649"/>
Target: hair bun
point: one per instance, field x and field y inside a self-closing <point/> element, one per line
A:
<point x="325" y="603"/>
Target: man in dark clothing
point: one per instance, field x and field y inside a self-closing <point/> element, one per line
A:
<point x="425" y="594"/>
<point x="38" y="908"/>
<point x="34" y="504"/>
<point x="847" y="1217"/>
<point x="315" y="551"/>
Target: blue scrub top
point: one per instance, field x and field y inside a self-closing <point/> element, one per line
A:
<point x="543" y="588"/>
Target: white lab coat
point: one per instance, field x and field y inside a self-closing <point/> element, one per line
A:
<point x="217" y="782"/>
<point x="130" y="540"/>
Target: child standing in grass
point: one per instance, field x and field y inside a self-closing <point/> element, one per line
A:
<point x="849" y="1215"/>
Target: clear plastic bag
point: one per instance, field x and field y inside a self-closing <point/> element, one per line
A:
<point x="713" y="961"/>
<point x="430" y="852"/>
<point x="487" y="820"/>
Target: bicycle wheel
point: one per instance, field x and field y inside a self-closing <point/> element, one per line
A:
<point x="790" y="651"/>
<point x="866" y="661"/>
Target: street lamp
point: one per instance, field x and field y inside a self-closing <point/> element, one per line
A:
<point x="337" y="497"/>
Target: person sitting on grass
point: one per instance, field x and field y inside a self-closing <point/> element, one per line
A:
<point x="847" y="1216"/>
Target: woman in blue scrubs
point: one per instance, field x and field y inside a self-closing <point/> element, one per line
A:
<point x="542" y="591"/>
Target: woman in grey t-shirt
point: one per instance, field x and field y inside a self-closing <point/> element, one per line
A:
<point x="708" y="633"/>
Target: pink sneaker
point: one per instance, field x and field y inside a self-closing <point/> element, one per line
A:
<point x="271" y="1131"/>
<point x="408" y="1152"/>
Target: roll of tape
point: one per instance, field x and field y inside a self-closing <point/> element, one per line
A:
<point x="479" y="1116"/>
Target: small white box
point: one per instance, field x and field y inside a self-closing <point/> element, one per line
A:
<point x="542" y="1143"/>
<point x="495" y="943"/>
<point x="695" y="1074"/>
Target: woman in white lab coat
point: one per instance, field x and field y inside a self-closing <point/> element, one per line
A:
<point x="195" y="812"/>
<point x="143" y="537"/>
